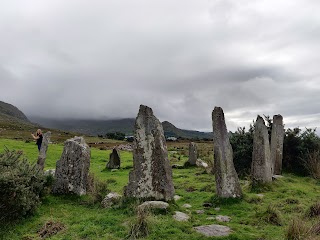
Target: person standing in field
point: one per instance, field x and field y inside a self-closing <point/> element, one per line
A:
<point x="38" y="137"/>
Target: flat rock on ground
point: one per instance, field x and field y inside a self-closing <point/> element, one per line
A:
<point x="221" y="218"/>
<point x="176" y="197"/>
<point x="181" y="217"/>
<point x="213" y="230"/>
<point x="111" y="199"/>
<point x="186" y="205"/>
<point x="153" y="205"/>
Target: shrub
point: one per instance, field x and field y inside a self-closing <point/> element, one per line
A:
<point x="20" y="185"/>
<point x="312" y="163"/>
<point x="300" y="230"/>
<point x="242" y="145"/>
<point x="140" y="226"/>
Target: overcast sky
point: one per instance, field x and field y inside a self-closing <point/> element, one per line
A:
<point x="103" y="58"/>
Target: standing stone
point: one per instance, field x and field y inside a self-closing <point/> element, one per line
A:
<point x="43" y="150"/>
<point x="227" y="181"/>
<point x="151" y="176"/>
<point x="277" y="137"/>
<point x="114" y="159"/>
<point x="261" y="159"/>
<point x="73" y="168"/>
<point x="193" y="154"/>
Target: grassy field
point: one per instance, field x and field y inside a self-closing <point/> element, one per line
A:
<point x="288" y="198"/>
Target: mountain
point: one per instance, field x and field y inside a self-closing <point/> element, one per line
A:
<point x="101" y="127"/>
<point x="8" y="111"/>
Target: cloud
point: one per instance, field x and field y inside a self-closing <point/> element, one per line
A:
<point x="102" y="59"/>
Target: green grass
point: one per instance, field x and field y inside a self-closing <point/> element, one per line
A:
<point x="290" y="197"/>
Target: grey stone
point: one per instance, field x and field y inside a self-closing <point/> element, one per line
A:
<point x="193" y="154"/>
<point x="43" y="150"/>
<point x="261" y="161"/>
<point x="73" y="168"/>
<point x="227" y="181"/>
<point x="277" y="177"/>
<point x="200" y="211"/>
<point x="222" y="218"/>
<point x="114" y="170"/>
<point x="114" y="159"/>
<point x="277" y="137"/>
<point x="176" y="197"/>
<point x="151" y="176"/>
<point x="210" y="218"/>
<point x="217" y="209"/>
<point x="49" y="172"/>
<point x="186" y="205"/>
<point x="153" y="205"/>
<point x="111" y="199"/>
<point x="181" y="217"/>
<point x="213" y="230"/>
<point x="260" y="195"/>
<point x="201" y="163"/>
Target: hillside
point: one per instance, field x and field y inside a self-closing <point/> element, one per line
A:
<point x="101" y="127"/>
<point x="8" y="111"/>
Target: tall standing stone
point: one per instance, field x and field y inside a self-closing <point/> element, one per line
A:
<point x="277" y="137"/>
<point x="43" y="150"/>
<point x="151" y="176"/>
<point x="114" y="159"/>
<point x="261" y="160"/>
<point x="193" y="154"/>
<point x="72" y="170"/>
<point x="227" y="181"/>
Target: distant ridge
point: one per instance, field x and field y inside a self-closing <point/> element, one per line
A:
<point x="9" y="111"/>
<point x="126" y="125"/>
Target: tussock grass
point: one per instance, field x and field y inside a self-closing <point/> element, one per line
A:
<point x="314" y="210"/>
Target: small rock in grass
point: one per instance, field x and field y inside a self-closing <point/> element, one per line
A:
<point x="221" y="218"/>
<point x="111" y="199"/>
<point x="153" y="205"/>
<point x="186" y="205"/>
<point x="213" y="230"/>
<point x="176" y="197"/>
<point x="217" y="209"/>
<point x="181" y="217"/>
<point x="200" y="211"/>
<point x="206" y="204"/>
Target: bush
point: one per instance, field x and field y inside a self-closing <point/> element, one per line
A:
<point x="314" y="210"/>
<point x="242" y="145"/>
<point x="312" y="163"/>
<point x="20" y="185"/>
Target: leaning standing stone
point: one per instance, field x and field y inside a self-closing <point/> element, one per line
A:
<point x="114" y="159"/>
<point x="193" y="154"/>
<point x="151" y="176"/>
<point x="73" y="168"/>
<point x="43" y="150"/>
<point x="277" y="136"/>
<point x="261" y="160"/>
<point x="227" y="181"/>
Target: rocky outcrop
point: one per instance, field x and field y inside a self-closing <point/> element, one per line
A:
<point x="151" y="176"/>
<point x="227" y="181"/>
<point x="71" y="176"/>
<point x="277" y="137"/>
<point x="261" y="161"/>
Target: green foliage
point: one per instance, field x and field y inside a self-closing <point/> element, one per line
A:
<point x="20" y="185"/>
<point x="297" y="147"/>
<point x="242" y="145"/>
<point x="115" y="135"/>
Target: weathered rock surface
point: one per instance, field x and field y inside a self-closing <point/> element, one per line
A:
<point x="180" y="216"/>
<point x="277" y="137"/>
<point x="43" y="150"/>
<point x="111" y="199"/>
<point x="261" y="166"/>
<point x="200" y="211"/>
<point x="153" y="205"/>
<point x="114" y="159"/>
<point x="151" y="176"/>
<point x="193" y="154"/>
<point x="201" y="163"/>
<point x="222" y="218"/>
<point x="227" y="181"/>
<point x="213" y="230"/>
<point x="73" y="168"/>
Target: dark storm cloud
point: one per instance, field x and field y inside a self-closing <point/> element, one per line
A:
<point x="101" y="59"/>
